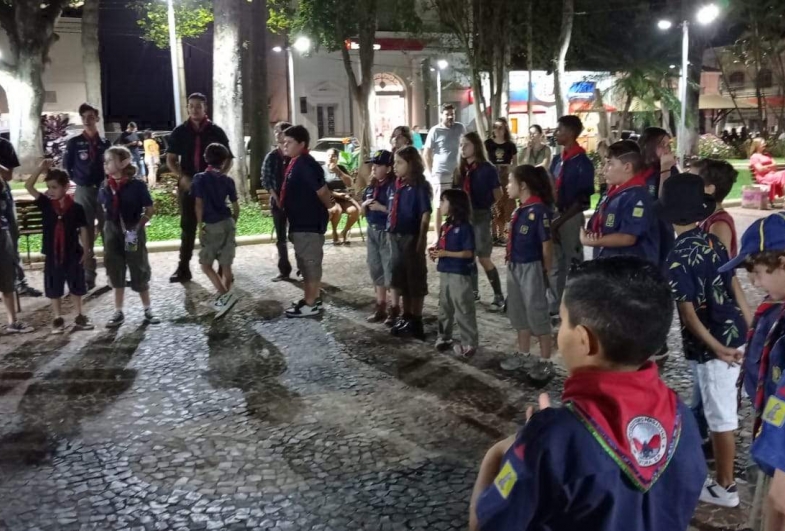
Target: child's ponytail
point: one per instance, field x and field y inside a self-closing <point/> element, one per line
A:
<point x="123" y="154"/>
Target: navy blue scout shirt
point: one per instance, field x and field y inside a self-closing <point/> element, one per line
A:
<point x="483" y="180"/>
<point x="134" y="198"/>
<point x="456" y="238"/>
<point x="767" y="449"/>
<point x="692" y="267"/>
<point x="577" y="182"/>
<point x="73" y="219"/>
<point x="381" y="193"/>
<point x="84" y="159"/>
<point x="529" y="229"/>
<point x="304" y="209"/>
<point x="628" y="209"/>
<point x="405" y="213"/>
<point x="189" y="141"/>
<point x="214" y="188"/>
<point x="765" y="318"/>
<point x="6" y="206"/>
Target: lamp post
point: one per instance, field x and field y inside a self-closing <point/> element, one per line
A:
<point x="441" y="64"/>
<point x="302" y="45"/>
<point x="178" y="115"/>
<point x="705" y="15"/>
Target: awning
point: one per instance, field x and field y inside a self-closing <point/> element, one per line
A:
<point x="589" y="106"/>
<point x="522" y="107"/>
<point x="776" y="102"/>
<point x="717" y="102"/>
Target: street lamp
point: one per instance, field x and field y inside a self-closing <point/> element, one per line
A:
<point x="441" y="64"/>
<point x="302" y="45"/>
<point x="705" y="15"/>
<point x="178" y="115"/>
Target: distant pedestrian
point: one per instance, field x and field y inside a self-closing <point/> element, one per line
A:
<point x="455" y="253"/>
<point x="152" y="157"/>
<point x="64" y="227"/>
<point x="502" y="152"/>
<point x="132" y="140"/>
<point x="401" y="137"/>
<point x="441" y="154"/>
<point x="537" y="152"/>
<point x="185" y="157"/>
<point x="306" y="199"/>
<point x="128" y="207"/>
<point x="272" y="179"/>
<point x="84" y="162"/>
<point x="213" y="190"/>
<point x="417" y="137"/>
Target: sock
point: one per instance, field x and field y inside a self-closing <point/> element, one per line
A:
<point x="496" y="283"/>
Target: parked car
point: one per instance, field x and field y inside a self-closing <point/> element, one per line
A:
<point x="319" y="150"/>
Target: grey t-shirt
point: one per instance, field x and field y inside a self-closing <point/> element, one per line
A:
<point x="445" y="142"/>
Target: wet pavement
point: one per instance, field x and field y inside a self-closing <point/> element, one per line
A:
<point x="256" y="421"/>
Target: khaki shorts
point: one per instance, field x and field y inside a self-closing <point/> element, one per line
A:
<point x="527" y="298"/>
<point x="409" y="270"/>
<point x="117" y="259"/>
<point x="309" y="253"/>
<point x="218" y="243"/>
<point x="7" y="262"/>
<point x="483" y="242"/>
<point x="379" y="259"/>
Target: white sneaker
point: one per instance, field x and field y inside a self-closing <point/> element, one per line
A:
<point x="716" y="495"/>
<point x="224" y="303"/>
<point x="514" y="361"/>
<point x="301" y="309"/>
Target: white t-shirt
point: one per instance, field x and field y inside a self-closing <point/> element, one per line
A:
<point x="445" y="144"/>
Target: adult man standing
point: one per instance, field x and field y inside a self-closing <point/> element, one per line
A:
<point x="185" y="157"/>
<point x="574" y="174"/>
<point x="441" y="153"/>
<point x="131" y="139"/>
<point x="272" y="178"/>
<point x="84" y="162"/>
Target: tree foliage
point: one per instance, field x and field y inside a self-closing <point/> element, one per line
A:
<point x="192" y="18"/>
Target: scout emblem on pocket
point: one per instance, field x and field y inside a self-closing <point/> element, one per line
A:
<point x="84" y="155"/>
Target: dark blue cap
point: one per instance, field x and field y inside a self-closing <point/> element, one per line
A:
<point x="381" y="157"/>
<point x="767" y="234"/>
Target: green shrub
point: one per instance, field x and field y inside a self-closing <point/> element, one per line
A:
<point x="165" y="202"/>
<point x="709" y="146"/>
<point x="776" y="148"/>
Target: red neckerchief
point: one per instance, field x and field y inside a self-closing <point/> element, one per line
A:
<point x="467" y="178"/>
<point x="61" y="208"/>
<point x="378" y="187"/>
<point x="598" y="219"/>
<point x="633" y="416"/>
<point x="399" y="184"/>
<point x="566" y="155"/>
<point x="213" y="169"/>
<point x="92" y="144"/>
<point x="116" y="185"/>
<point x="443" y="232"/>
<point x="532" y="200"/>
<point x="286" y="174"/>
<point x="198" y="152"/>
<point x="765" y="361"/>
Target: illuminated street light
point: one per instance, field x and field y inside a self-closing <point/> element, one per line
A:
<point x="665" y="25"/>
<point x="302" y="44"/>
<point x="277" y="49"/>
<point x="442" y="64"/>
<point x="708" y="14"/>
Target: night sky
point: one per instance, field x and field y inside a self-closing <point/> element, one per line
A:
<point x="137" y="76"/>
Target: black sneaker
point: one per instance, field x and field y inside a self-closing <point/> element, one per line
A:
<point x="82" y="322"/>
<point x="413" y="328"/>
<point x="281" y="278"/>
<point x="18" y="327"/>
<point x="150" y="318"/>
<point x="183" y="274"/>
<point x="58" y="326"/>
<point x="541" y="372"/>
<point x="116" y="321"/>
<point x="24" y="290"/>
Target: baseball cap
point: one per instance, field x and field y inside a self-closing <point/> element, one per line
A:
<point x="381" y="157"/>
<point x="767" y="234"/>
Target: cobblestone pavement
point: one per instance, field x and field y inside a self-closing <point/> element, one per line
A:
<point x="256" y="421"/>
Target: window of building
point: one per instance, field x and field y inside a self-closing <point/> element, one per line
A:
<point x="765" y="79"/>
<point x="736" y="79"/>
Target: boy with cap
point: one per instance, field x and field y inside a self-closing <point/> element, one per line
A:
<point x="623" y="452"/>
<point x="624" y="222"/>
<point x="713" y="327"/>
<point x="763" y="255"/>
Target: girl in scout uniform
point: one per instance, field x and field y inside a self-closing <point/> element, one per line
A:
<point x="529" y="259"/>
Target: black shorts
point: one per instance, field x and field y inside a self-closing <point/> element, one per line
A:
<point x="56" y="276"/>
<point x="410" y="269"/>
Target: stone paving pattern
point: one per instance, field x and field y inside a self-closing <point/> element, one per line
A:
<point x="259" y="422"/>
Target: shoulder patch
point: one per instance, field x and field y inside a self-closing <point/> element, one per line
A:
<point x="637" y="212"/>
<point x="774" y="413"/>
<point x="611" y="220"/>
<point x="532" y="216"/>
<point x="546" y="222"/>
<point x="506" y="479"/>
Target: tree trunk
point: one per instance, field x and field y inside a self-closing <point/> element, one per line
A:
<point x="479" y="97"/>
<point x="696" y="53"/>
<point x="568" y="14"/>
<point x="227" y="85"/>
<point x="603" y="127"/>
<point x="25" y="107"/>
<point x="181" y="74"/>
<point x="260" y="121"/>
<point x="90" y="56"/>
<point x="756" y="52"/>
<point x="363" y="100"/>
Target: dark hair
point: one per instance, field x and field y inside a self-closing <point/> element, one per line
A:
<point x="283" y="125"/>
<point x="299" y="134"/>
<point x="770" y="259"/>
<point x="198" y="96"/>
<point x="405" y="132"/>
<point x="503" y="121"/>
<point x="573" y="123"/>
<point x="416" y="165"/>
<point x="460" y="206"/>
<point x="627" y="151"/>
<point x="123" y="154"/>
<point x="448" y="107"/>
<point x="131" y="125"/>
<point x="537" y="127"/>
<point x="480" y="157"/>
<point x="649" y="142"/>
<point x="59" y="176"/>
<point x="718" y="173"/>
<point x="536" y="180"/>
<point x="625" y="302"/>
<point x="86" y="107"/>
<point x="148" y="135"/>
<point x="216" y="155"/>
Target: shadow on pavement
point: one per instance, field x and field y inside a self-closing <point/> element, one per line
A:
<point x="20" y="364"/>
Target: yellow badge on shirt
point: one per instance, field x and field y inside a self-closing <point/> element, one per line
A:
<point x="506" y="479"/>
<point x="611" y="220"/>
<point x="774" y="413"/>
<point x="637" y="212"/>
<point x="532" y="216"/>
<point x="546" y="222"/>
<point x="524" y="229"/>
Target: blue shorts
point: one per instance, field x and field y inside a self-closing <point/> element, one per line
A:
<point x="57" y="275"/>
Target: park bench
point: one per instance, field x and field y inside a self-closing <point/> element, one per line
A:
<point x="30" y="221"/>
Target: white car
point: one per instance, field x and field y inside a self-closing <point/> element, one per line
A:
<point x="319" y="150"/>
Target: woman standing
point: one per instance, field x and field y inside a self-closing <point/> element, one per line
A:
<point x="537" y="153"/>
<point x="480" y="180"/>
<point x="400" y="138"/>
<point x="502" y="152"/>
